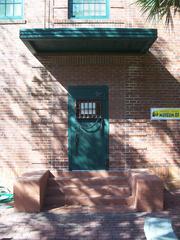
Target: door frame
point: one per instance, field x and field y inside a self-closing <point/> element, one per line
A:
<point x="106" y="119"/>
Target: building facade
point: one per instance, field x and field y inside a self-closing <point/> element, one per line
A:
<point x="69" y="102"/>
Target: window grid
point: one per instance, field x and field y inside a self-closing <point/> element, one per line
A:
<point x="88" y="9"/>
<point x="88" y="109"/>
<point x="11" y="9"/>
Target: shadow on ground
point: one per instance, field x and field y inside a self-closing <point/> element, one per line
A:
<point x="71" y="226"/>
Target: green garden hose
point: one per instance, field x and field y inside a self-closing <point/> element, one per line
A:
<point x="5" y="197"/>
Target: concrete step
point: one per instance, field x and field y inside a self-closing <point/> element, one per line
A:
<point x="54" y="201"/>
<point x="88" y="174"/>
<point x="112" y="190"/>
<point x="90" y="189"/>
<point x="93" y="200"/>
<point x="93" y="181"/>
<point x="85" y="209"/>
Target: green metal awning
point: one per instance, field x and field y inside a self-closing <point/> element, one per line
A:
<point x="57" y="40"/>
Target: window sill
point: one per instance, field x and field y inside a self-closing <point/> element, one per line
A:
<point x="12" y="21"/>
<point x="87" y="21"/>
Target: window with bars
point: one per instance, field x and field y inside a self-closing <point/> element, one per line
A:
<point x="88" y="9"/>
<point x="88" y="109"/>
<point x="11" y="9"/>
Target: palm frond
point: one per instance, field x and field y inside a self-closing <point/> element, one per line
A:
<point x="158" y="9"/>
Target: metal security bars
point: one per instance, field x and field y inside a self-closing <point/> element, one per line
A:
<point x="88" y="109"/>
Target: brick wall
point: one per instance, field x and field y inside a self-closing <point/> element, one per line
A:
<point x="33" y="95"/>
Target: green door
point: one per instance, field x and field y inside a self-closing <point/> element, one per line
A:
<point x="88" y="128"/>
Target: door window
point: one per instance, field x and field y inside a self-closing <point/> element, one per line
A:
<point x="88" y="109"/>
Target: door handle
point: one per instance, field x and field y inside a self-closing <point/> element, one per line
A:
<point x="102" y="126"/>
<point x="76" y="143"/>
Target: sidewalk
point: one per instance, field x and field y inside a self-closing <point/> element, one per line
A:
<point x="78" y="225"/>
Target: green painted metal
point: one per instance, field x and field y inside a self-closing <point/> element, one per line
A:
<point x="11" y="10"/>
<point x="54" y="40"/>
<point x="88" y="139"/>
<point x="88" y="9"/>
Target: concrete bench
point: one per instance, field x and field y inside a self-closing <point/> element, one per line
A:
<point x="147" y="192"/>
<point x="29" y="191"/>
<point x="159" y="229"/>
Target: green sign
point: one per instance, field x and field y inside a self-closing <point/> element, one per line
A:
<point x="165" y="113"/>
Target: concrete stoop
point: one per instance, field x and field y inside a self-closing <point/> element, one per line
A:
<point x="121" y="191"/>
<point x="89" y="189"/>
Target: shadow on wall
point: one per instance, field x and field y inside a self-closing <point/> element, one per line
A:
<point x="34" y="115"/>
<point x="35" y="128"/>
<point x="15" y="95"/>
<point x="147" y="84"/>
<point x="153" y="86"/>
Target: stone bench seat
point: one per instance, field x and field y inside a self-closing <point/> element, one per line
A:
<point x="29" y="191"/>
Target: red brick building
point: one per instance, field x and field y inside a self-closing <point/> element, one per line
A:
<point x="96" y="67"/>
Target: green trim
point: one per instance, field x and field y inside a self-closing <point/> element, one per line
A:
<point x="20" y="17"/>
<point x="137" y="40"/>
<point x="91" y="17"/>
<point x="56" y="33"/>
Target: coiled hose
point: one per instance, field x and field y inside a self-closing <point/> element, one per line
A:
<point x="5" y="197"/>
